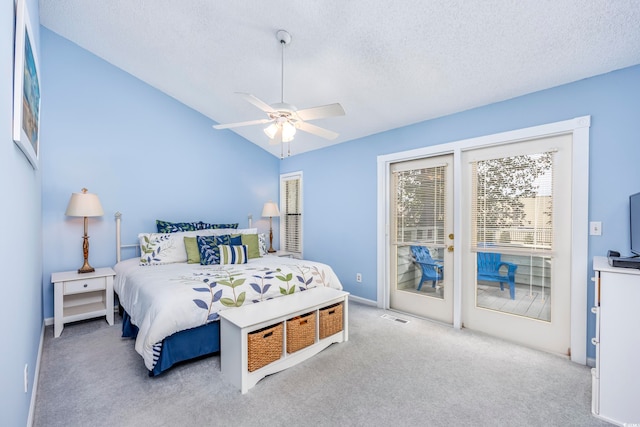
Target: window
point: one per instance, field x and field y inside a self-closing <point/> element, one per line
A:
<point x="291" y="213"/>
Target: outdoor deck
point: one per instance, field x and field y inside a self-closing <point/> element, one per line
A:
<point x="529" y="303"/>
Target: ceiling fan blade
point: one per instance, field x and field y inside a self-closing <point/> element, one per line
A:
<point x="257" y="102"/>
<point x="322" y="112"/>
<point x="317" y="130"/>
<point x="277" y="138"/>
<point x="249" y="123"/>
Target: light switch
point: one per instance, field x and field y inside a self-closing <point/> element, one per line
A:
<point x="595" y="228"/>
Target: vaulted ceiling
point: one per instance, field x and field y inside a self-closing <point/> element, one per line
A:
<point x="389" y="64"/>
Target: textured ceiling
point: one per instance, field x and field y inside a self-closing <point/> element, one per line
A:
<point x="389" y="64"/>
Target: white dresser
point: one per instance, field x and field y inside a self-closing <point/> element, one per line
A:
<point x="616" y="377"/>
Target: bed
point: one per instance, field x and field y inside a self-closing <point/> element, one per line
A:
<point x="171" y="303"/>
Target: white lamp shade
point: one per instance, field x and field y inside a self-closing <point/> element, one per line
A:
<point x="271" y="130"/>
<point x="270" y="210"/>
<point x="84" y="204"/>
<point x="288" y="131"/>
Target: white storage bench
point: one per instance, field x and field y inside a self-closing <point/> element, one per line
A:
<point x="236" y="325"/>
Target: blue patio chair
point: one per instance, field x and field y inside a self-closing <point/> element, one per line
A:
<point x="432" y="269"/>
<point x="489" y="265"/>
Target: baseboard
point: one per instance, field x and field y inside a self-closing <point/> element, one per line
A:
<point x="36" y="376"/>
<point x="361" y="300"/>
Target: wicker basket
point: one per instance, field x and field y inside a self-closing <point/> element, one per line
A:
<point x="264" y="346"/>
<point x="330" y="320"/>
<point x="301" y="332"/>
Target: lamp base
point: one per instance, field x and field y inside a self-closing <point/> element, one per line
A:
<point x="86" y="268"/>
<point x="270" y="250"/>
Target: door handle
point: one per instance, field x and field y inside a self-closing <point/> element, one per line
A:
<point x="450" y="248"/>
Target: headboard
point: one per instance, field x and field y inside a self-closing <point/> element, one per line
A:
<point x="119" y="245"/>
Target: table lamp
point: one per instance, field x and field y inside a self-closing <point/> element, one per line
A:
<point x="84" y="205"/>
<point x="270" y="209"/>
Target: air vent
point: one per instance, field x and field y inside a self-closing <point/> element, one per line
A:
<point x="394" y="318"/>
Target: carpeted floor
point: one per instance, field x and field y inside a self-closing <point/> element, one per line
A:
<point x="387" y="374"/>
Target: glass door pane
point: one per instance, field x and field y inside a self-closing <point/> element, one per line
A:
<point x="512" y="223"/>
<point x="421" y="213"/>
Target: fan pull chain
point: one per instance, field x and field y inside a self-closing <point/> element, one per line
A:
<point x="282" y="43"/>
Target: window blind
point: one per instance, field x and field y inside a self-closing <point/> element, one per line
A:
<point x="419" y="209"/>
<point x="292" y="214"/>
<point x="512" y="204"/>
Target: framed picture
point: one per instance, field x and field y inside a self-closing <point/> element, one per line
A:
<point x="26" y="88"/>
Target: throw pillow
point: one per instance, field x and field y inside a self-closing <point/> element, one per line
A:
<point x="193" y="253"/>
<point x="209" y="247"/>
<point x="174" y="227"/>
<point x="204" y="226"/>
<point x="156" y="249"/>
<point x="233" y="254"/>
<point x="253" y="245"/>
<point x="262" y="242"/>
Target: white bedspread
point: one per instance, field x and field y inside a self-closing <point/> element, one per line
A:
<point x="165" y="299"/>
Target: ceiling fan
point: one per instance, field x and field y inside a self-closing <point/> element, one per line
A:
<point x="285" y="118"/>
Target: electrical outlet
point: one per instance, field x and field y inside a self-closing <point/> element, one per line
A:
<point x="359" y="277"/>
<point x="26" y="378"/>
<point x="595" y="228"/>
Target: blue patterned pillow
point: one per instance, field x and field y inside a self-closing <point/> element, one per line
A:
<point x="209" y="247"/>
<point x="204" y="226"/>
<point x="175" y="227"/>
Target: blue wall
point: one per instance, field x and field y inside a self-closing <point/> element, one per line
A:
<point x="20" y="255"/>
<point x="142" y="152"/>
<point x="340" y="199"/>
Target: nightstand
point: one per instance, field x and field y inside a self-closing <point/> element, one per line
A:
<point x="284" y="254"/>
<point x="80" y="296"/>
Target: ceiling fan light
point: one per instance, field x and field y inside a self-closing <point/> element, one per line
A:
<point x="288" y="132"/>
<point x="271" y="130"/>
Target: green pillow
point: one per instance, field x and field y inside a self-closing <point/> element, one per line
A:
<point x="253" y="247"/>
<point x="193" y="253"/>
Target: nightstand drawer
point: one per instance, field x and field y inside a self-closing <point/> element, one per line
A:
<point x="86" y="285"/>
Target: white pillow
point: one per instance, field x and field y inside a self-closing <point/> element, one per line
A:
<point x="262" y="243"/>
<point x="244" y="231"/>
<point x="167" y="248"/>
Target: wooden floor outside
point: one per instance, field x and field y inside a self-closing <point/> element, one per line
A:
<point x="533" y="303"/>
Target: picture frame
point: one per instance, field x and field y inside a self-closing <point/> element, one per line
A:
<point x="26" y="87"/>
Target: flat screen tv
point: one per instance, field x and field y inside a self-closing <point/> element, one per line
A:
<point x="634" y="215"/>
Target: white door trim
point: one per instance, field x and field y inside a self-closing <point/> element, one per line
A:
<point x="579" y="128"/>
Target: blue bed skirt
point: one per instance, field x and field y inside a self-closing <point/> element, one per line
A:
<point x="181" y="346"/>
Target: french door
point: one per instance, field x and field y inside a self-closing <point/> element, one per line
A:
<point x="516" y="244"/>
<point x="522" y="195"/>
<point x="421" y="239"/>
